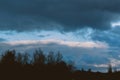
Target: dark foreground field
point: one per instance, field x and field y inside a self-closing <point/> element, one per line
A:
<point x="17" y="66"/>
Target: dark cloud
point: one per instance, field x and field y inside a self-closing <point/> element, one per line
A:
<point x="111" y="36"/>
<point x="1" y="39"/>
<point x="27" y="15"/>
<point x="42" y="36"/>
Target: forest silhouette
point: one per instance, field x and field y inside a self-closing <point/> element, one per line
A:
<point x="18" y="66"/>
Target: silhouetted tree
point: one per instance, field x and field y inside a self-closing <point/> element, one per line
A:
<point x="26" y="58"/>
<point x="51" y="58"/>
<point x="82" y="70"/>
<point x="19" y="58"/>
<point x="59" y="57"/>
<point x="39" y="57"/>
<point x="89" y="70"/>
<point x="8" y="57"/>
<point x="109" y="68"/>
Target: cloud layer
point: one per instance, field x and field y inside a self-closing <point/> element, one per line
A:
<point x="68" y="15"/>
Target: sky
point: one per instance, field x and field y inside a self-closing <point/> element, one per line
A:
<point x="85" y="31"/>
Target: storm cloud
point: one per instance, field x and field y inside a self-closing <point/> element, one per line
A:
<point x="66" y="15"/>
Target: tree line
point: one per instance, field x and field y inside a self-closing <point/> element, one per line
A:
<point x="38" y="66"/>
